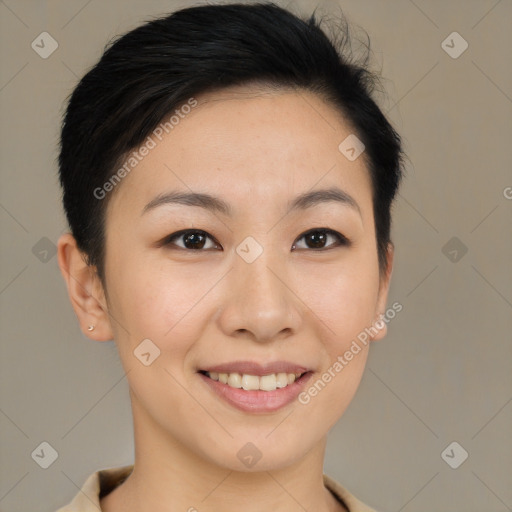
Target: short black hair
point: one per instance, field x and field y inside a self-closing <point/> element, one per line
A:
<point x="149" y="72"/>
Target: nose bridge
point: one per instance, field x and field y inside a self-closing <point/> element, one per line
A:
<point x="259" y="300"/>
<point x="260" y="277"/>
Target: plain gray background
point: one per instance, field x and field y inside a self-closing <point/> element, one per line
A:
<point x="443" y="373"/>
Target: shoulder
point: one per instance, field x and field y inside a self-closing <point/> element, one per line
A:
<point x="96" y="486"/>
<point x="345" y="497"/>
<point x="104" y="481"/>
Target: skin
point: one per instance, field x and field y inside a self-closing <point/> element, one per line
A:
<point x="256" y="150"/>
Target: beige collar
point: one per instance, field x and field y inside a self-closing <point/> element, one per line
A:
<point x="104" y="481"/>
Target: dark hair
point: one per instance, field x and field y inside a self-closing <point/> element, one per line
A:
<point x="150" y="71"/>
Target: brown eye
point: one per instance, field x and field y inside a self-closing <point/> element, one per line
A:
<point x="318" y="238"/>
<point x="191" y="239"/>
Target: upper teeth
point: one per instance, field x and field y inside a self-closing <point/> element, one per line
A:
<point x="253" y="382"/>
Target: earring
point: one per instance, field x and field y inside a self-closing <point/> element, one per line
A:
<point x="90" y="328"/>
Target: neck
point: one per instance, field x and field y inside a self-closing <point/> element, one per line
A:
<point x="167" y="475"/>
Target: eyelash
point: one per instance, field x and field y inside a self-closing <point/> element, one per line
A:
<point x="341" y="239"/>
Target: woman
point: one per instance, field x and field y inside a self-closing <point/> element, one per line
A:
<point x="228" y="181"/>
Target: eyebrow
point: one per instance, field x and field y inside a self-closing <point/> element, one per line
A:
<point x="216" y="204"/>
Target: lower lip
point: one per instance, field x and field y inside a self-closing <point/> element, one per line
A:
<point x="257" y="400"/>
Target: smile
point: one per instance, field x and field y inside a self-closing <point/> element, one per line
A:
<point x="253" y="393"/>
<point x="254" y="382"/>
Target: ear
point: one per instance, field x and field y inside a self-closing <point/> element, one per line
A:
<point x="382" y="298"/>
<point x="85" y="290"/>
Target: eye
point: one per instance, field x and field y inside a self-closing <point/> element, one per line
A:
<point x="317" y="238"/>
<point x="193" y="239"/>
<point x="196" y="240"/>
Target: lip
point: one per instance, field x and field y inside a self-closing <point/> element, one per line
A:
<point x="255" y="368"/>
<point x="257" y="401"/>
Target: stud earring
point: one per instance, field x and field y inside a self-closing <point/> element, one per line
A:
<point x="90" y="328"/>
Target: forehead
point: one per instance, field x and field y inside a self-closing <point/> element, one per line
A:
<point x="246" y="143"/>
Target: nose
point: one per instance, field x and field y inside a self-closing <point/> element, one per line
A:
<point x="259" y="301"/>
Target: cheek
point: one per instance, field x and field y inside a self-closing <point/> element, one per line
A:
<point x="351" y="309"/>
<point x="343" y="295"/>
<point x="343" y="298"/>
<point x="329" y="394"/>
<point x="159" y="301"/>
<point x="345" y="307"/>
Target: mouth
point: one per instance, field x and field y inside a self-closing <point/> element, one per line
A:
<point x="248" y="382"/>
<point x="265" y="392"/>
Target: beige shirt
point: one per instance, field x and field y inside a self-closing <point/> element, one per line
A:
<point x="102" y="482"/>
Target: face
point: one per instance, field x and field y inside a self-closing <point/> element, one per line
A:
<point x="259" y="278"/>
